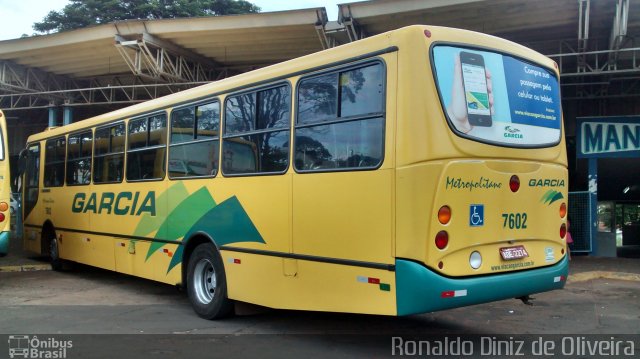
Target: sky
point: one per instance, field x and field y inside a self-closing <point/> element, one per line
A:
<point x="17" y="16"/>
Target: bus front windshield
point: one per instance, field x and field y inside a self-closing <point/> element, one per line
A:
<point x="496" y="98"/>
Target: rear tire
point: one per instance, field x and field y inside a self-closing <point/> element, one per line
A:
<point x="207" y="284"/>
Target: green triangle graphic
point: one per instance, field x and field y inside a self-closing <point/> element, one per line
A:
<point x="183" y="217"/>
<point x="227" y="223"/>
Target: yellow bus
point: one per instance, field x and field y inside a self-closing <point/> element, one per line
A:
<point x="5" y="188"/>
<point x="413" y="171"/>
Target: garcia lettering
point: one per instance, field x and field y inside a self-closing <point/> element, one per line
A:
<point x="546" y="182"/>
<point x="123" y="203"/>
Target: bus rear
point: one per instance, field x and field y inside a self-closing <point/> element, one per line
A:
<point x="481" y="172"/>
<point x="5" y="188"/>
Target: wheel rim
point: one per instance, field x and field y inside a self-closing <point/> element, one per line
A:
<point x="204" y="281"/>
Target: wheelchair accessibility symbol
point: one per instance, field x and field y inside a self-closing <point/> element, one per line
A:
<point x="476" y="215"/>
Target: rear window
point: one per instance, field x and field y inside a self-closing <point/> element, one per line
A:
<point x="497" y="98"/>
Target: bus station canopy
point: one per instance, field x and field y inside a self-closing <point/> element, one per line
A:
<point x="137" y="60"/>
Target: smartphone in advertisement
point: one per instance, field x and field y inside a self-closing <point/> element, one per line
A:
<point x="476" y="93"/>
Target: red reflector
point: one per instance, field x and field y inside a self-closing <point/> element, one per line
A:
<point x="165" y="250"/>
<point x="442" y="239"/>
<point x="563" y="230"/>
<point x="236" y="261"/>
<point x="1" y="217"/>
<point x="448" y="294"/>
<point x="514" y="183"/>
<point x="440" y="264"/>
<point x="427" y="33"/>
<point x="374" y="280"/>
<point x="562" y="278"/>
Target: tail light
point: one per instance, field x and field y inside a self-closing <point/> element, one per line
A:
<point x="442" y="239"/>
<point x="563" y="230"/>
<point x="2" y="217"/>
<point x="3" y="206"/>
<point x="563" y="210"/>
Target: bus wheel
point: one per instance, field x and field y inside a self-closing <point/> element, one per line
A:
<point x="57" y="263"/>
<point x="206" y="283"/>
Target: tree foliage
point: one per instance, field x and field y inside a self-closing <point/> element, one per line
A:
<point x="82" y="13"/>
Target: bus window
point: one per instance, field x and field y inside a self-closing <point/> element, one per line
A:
<point x="54" y="162"/>
<point x="147" y="147"/>
<point x="354" y="136"/>
<point x="79" y="158"/>
<point x="256" y="136"/>
<point x="108" y="158"/>
<point x="194" y="141"/>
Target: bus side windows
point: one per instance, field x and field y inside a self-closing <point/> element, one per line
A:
<point x="340" y="120"/>
<point x="195" y="139"/>
<point x="54" y="162"/>
<point x="147" y="144"/>
<point x="256" y="137"/>
<point x="108" y="158"/>
<point x="79" y="158"/>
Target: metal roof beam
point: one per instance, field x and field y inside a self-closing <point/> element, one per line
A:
<point x="594" y="64"/>
<point x="18" y="79"/>
<point x="150" y="57"/>
<point x="98" y="91"/>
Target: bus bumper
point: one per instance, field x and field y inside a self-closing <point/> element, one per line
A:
<point x="4" y="242"/>
<point x="420" y="290"/>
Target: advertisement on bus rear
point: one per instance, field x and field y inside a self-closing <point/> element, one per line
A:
<point x="498" y="98"/>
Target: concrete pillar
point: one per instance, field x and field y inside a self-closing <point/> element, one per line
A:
<point x="67" y="115"/>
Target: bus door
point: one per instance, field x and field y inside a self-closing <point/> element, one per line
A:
<point x="31" y="184"/>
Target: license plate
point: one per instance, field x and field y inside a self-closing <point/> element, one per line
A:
<point x="510" y="253"/>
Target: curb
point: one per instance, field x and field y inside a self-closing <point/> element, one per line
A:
<point x="25" y="268"/>
<point x="585" y="276"/>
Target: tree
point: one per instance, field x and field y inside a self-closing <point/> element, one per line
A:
<point x="82" y="13"/>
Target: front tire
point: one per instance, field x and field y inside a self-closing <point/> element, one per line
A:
<point x="207" y="284"/>
<point x="57" y="264"/>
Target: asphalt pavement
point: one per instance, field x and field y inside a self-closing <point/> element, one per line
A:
<point x="105" y="313"/>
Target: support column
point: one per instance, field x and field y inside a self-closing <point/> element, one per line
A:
<point x="52" y="117"/>
<point x="593" y="203"/>
<point x="67" y="115"/>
